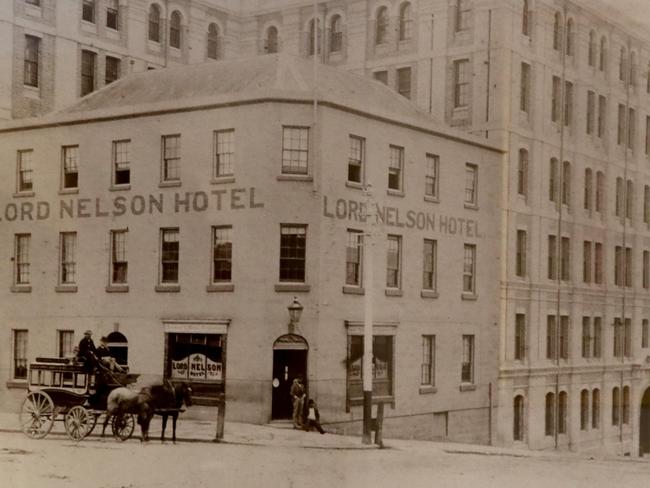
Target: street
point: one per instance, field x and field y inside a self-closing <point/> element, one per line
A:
<point x="107" y="463"/>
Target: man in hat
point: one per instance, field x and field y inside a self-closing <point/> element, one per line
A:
<point x="87" y="350"/>
<point x="104" y="356"/>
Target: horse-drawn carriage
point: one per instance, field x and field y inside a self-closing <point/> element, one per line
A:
<point x="58" y="389"/>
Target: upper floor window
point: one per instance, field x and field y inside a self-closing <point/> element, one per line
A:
<point x="524" y="92"/>
<point x="632" y="77"/>
<point x="405" y="22"/>
<point x="175" y="30"/>
<point x="588" y="189"/>
<point x="271" y="45"/>
<point x="67" y="258"/>
<point x="356" y="159"/>
<point x="557" y="31"/>
<point x="432" y="176"/>
<point x="213" y="41"/>
<point x="121" y="173"/>
<point x="569" y="37"/>
<point x="520" y="336"/>
<point x="88" y="10"/>
<point x="70" y="178"/>
<point x="520" y="258"/>
<point x="461" y="83"/>
<point x="221" y="254"/>
<point x="467" y="365"/>
<point x="21" y="259"/>
<point x="295" y="150"/>
<point x="553" y="180"/>
<point x="525" y="19"/>
<point x="381" y="27"/>
<point x="336" y="34"/>
<point x="556" y="98"/>
<point x="602" y="58"/>
<point x="32" y="54"/>
<point x="591" y="111"/>
<point x="602" y="115"/>
<point x="469" y="268"/>
<point x="112" y="69"/>
<point x="119" y="263"/>
<point x="354" y="258"/>
<point x="381" y="76"/>
<point x="224" y="162"/>
<point x="429" y="265"/>
<point x="25" y="171"/>
<point x="522" y="173"/>
<point x="568" y="103"/>
<point x="293" y="250"/>
<point x="471" y="184"/>
<point x="88" y="65"/>
<point x="313" y="42"/>
<point x="112" y="12"/>
<point x="393" y="262"/>
<point x="463" y="11"/>
<point x="404" y="82"/>
<point x="396" y="168"/>
<point x="591" y="55"/>
<point x="622" y="64"/>
<point x="154" y="23"/>
<point x="566" y="183"/>
<point x="169" y="255"/>
<point x="171" y="158"/>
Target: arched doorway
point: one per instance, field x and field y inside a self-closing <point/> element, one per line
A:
<point x="289" y="362"/>
<point x="644" y="425"/>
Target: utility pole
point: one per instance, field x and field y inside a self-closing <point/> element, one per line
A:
<point x="367" y="281"/>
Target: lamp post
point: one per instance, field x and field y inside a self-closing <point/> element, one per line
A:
<point x="295" y="311"/>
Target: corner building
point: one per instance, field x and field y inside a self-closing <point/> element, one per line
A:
<point x="185" y="219"/>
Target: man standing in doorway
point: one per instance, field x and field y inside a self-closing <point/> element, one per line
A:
<point x="297" y="394"/>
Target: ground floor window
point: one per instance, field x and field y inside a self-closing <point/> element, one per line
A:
<point x="20" y="355"/>
<point x="518" y="418"/>
<point x="382" y="367"/>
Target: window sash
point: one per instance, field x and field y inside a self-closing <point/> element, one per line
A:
<point x="22" y="271"/>
<point x="471" y="177"/>
<point x="112" y="70"/>
<point x="393" y="261"/>
<point x="356" y="159"/>
<point x="524" y="98"/>
<point x="68" y="257"/>
<point x="431" y="178"/>
<point x="354" y="258"/>
<point x="32" y="52"/>
<point x="293" y="250"/>
<point x="427" y="369"/>
<point x="224" y="143"/>
<point x="154" y="24"/>
<point x="467" y="364"/>
<point x="171" y="158"/>
<point x="88" y="11"/>
<point x="70" y="166"/>
<point x="175" y="30"/>
<point x="119" y="263"/>
<point x="65" y="346"/>
<point x="463" y="10"/>
<point x="520" y="337"/>
<point x="295" y="150"/>
<point x="521" y="260"/>
<point x="121" y="163"/>
<point x="169" y="255"/>
<point x="25" y="171"/>
<point x="222" y="254"/>
<point x="395" y="167"/>
<point x="20" y="354"/>
<point x="429" y="265"/>
<point x="381" y="28"/>
<point x="461" y="83"/>
<point x="88" y="65"/>
<point x="469" y="268"/>
<point x="404" y="82"/>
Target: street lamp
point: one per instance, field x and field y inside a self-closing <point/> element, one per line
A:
<point x="295" y="311"/>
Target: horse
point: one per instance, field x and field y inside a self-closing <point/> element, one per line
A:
<point x="122" y="400"/>
<point x="167" y="400"/>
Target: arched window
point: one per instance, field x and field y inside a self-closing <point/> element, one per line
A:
<point x="595" y="409"/>
<point x="626" y="405"/>
<point x="336" y="34"/>
<point x="569" y="37"/>
<point x="557" y="31"/>
<point x="213" y="41"/>
<point x="175" y="29"/>
<point x="381" y="28"/>
<point x="154" y="23"/>
<point x="405" y="21"/>
<point x="591" y="58"/>
<point x="522" y="173"/>
<point x="549" y="414"/>
<point x="525" y="19"/>
<point x="562" y="412"/>
<point x="622" y="65"/>
<point x="272" y="40"/>
<point x="314" y="24"/>
<point x="602" y="59"/>
<point x="518" y="418"/>
<point x="615" y="406"/>
<point x="584" y="409"/>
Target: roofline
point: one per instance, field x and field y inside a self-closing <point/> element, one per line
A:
<point x="256" y="100"/>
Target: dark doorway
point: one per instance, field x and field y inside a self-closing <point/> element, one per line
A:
<point x="289" y="362"/>
<point x="119" y="347"/>
<point x="644" y="426"/>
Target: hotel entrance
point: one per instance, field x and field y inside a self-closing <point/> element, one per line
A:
<point x="289" y="362"/>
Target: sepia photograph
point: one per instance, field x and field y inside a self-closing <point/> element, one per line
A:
<point x="324" y="243"/>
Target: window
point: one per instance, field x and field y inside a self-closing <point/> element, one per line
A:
<point x="221" y="254"/>
<point x="25" y="171"/>
<point x="272" y="40"/>
<point x="121" y="164"/>
<point x="618" y="338"/>
<point x="336" y="35"/>
<point x="356" y="159"/>
<point x="568" y="103"/>
<point x="631" y="128"/>
<point x="644" y="334"/>
<point x="618" y="266"/>
<point x="520" y="263"/>
<point x="522" y="173"/>
<point x="67" y="258"/>
<point x="395" y="168"/>
<point x="551" y="337"/>
<point x="569" y="37"/>
<point x="645" y="278"/>
<point x="565" y="259"/>
<point x="557" y="31"/>
<point x="584" y="409"/>
<point x="632" y="73"/>
<point x="552" y="257"/>
<point x="564" y="337"/>
<point x="88" y="63"/>
<point x="600" y="191"/>
<point x="171" y="158"/>
<point x="213" y="41"/>
<point x="626" y="405"/>
<point x="467" y="365"/>
<point x="602" y="115"/>
<point x="393" y="262"/>
<point x="354" y="258"/>
<point x="562" y="412"/>
<point x="591" y="111"/>
<point x="169" y="255"/>
<point x="602" y="59"/>
<point x="524" y="92"/>
<point x="295" y="150"/>
<point x="112" y="11"/>
<point x="616" y="406"/>
<point x="518" y="419"/>
<point x="313" y="41"/>
<point x="628" y="267"/>
<point x="205" y="353"/>
<point x="293" y="248"/>
<point x="119" y="263"/>
<point x="404" y="82"/>
<point x="525" y="26"/>
<point x="586" y="337"/>
<point x="429" y="261"/>
<point x="382" y="371"/>
<point x="224" y="158"/>
<point x="381" y="27"/>
<point x="618" y="211"/>
<point x="586" y="261"/>
<point x="627" y="339"/>
<point x="154" y="23"/>
<point x="65" y="346"/>
<point x="381" y="76"/>
<point x="428" y="367"/>
<point x="32" y="53"/>
<point x="463" y="10"/>
<point x="20" y="354"/>
<point x="405" y="22"/>
<point x="646" y="204"/>
<point x="520" y="336"/>
<point x="629" y="199"/>
<point x="591" y="56"/>
<point x="175" y="30"/>
<point x="647" y="133"/>
<point x="549" y="414"/>
<point x="566" y="183"/>
<point x="88" y="10"/>
<point x="595" y="409"/>
<point x="461" y="83"/>
<point x="598" y="263"/>
<point x="622" y="65"/>
<point x="112" y="71"/>
<point x="597" y="339"/>
<point x="70" y="178"/>
<point x="469" y="269"/>
<point x="556" y="99"/>
<point x="21" y="259"/>
<point x="471" y="184"/>
<point x="588" y="188"/>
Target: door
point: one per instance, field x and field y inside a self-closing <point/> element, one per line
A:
<point x="644" y="426"/>
<point x="287" y="365"/>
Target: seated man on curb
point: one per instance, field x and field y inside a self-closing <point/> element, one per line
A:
<point x="104" y="356"/>
<point x="313" y="417"/>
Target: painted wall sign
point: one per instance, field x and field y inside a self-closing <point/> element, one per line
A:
<point x="197" y="367"/>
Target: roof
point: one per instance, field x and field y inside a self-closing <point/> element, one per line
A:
<point x="261" y="78"/>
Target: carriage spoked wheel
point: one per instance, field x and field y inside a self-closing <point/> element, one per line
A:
<point x="37" y="415"/>
<point x="79" y="422"/>
<point x="123" y="426"/>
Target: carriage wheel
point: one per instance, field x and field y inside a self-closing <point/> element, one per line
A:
<point x="78" y="422"/>
<point x="37" y="415"/>
<point x="123" y="426"/>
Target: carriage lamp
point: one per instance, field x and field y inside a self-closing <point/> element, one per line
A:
<point x="295" y="310"/>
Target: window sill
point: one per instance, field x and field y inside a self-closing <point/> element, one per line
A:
<point x="169" y="184"/>
<point x="172" y="288"/>
<point x="428" y="390"/>
<point x="66" y="289"/>
<point x="17" y="384"/>
<point x="112" y="33"/>
<point x="394" y="193"/>
<point x="154" y="45"/>
<point x="353" y="290"/>
<point x="222" y="180"/>
<point x="471" y="206"/>
<point x="295" y="178"/>
<point x="354" y="184"/>
<point x="220" y="287"/>
<point x="21" y="289"/>
<point x="126" y="186"/>
<point x="69" y="191"/>
<point x="429" y="294"/>
<point x="24" y="194"/>
<point x="471" y="297"/>
<point x="467" y="387"/>
<point x="33" y="92"/>
<point x="431" y="199"/>
<point x="33" y="10"/>
<point x="175" y="51"/>
<point x="117" y="288"/>
<point x="88" y="26"/>
<point x="393" y="292"/>
<point x="297" y="287"/>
